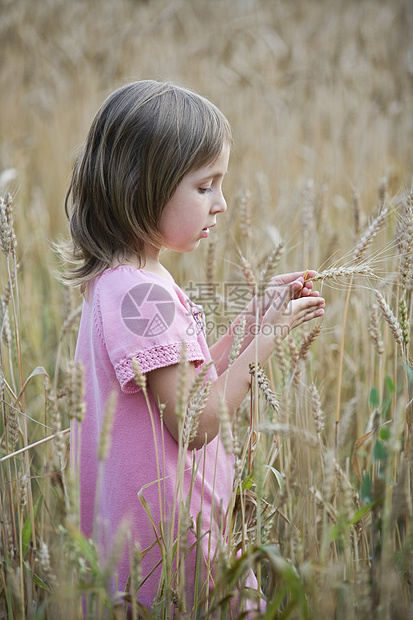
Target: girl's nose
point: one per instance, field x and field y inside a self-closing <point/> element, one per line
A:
<point x="220" y="205"/>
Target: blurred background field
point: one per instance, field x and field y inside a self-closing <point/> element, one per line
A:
<point x="313" y="89"/>
<point x="320" y="97"/>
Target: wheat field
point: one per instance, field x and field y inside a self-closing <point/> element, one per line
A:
<point x="319" y="94"/>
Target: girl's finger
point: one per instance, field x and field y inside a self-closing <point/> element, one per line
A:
<point x="304" y="317"/>
<point x="308" y="284"/>
<point x="286" y="278"/>
<point x="304" y="304"/>
<point x="285" y="296"/>
<point x="306" y="292"/>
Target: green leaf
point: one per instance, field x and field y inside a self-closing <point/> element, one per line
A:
<point x="248" y="482"/>
<point x="337" y="530"/>
<point x="385" y="433"/>
<point x="409" y="371"/>
<point x="39" y="582"/>
<point x="374" y="398"/>
<point x="278" y="476"/>
<point x="87" y="549"/>
<point x="365" y="489"/>
<point x="379" y="451"/>
<point x="386" y="406"/>
<point x="27" y="527"/>
<point x="37" y="371"/>
<point x="389" y="383"/>
<point x="359" y="514"/>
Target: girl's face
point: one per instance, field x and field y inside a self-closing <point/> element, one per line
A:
<point x="192" y="210"/>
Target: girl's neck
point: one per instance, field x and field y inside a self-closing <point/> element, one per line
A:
<point x="150" y="263"/>
<point x="157" y="268"/>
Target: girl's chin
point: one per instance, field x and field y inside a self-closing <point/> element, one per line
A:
<point x="189" y="247"/>
<point x="194" y="247"/>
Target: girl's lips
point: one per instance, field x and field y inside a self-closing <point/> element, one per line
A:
<point x="205" y="231"/>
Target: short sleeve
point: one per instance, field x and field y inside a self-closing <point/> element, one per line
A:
<point x="144" y="316"/>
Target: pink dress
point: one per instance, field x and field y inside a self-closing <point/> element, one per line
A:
<point x="135" y="313"/>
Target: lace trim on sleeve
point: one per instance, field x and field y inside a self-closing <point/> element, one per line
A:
<point x="151" y="359"/>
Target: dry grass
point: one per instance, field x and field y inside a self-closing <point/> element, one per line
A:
<point x="319" y="95"/>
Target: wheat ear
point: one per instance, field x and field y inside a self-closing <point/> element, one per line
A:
<point x="264" y="385"/>
<point x="344" y="272"/>
<point x="245" y="214"/>
<point x="271" y="264"/>
<point x="248" y="273"/>
<point x="391" y="320"/>
<point x="374" y="329"/>
<point x="367" y="238"/>
<point x="308" y="341"/>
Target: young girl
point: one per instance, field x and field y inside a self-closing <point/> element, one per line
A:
<point x="150" y="177"/>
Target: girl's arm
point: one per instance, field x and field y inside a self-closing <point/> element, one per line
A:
<point x="234" y="383"/>
<point x="254" y="312"/>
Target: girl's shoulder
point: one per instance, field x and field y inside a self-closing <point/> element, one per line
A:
<point x="139" y="314"/>
<point x="125" y="275"/>
<point x="118" y="284"/>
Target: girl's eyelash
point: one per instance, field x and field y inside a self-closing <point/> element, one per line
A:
<point x="203" y="190"/>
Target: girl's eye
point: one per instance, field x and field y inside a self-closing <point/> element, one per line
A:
<point x="204" y="190"/>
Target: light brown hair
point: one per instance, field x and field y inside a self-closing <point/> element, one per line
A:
<point x="145" y="137"/>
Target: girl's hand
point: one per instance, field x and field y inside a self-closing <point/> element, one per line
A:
<point x="292" y="306"/>
<point x="287" y="278"/>
<point x="276" y="287"/>
<point x="287" y="310"/>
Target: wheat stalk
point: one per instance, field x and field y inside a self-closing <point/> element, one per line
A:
<point x="264" y="384"/>
<point x="195" y="407"/>
<point x="33" y="445"/>
<point x="391" y="320"/>
<point x="344" y="272"/>
<point x="374" y="329"/>
<point x="245" y="214"/>
<point x="210" y="261"/>
<point x="404" y="320"/>
<point x="23" y="490"/>
<point x="405" y="241"/>
<point x="288" y="430"/>
<point x="237" y="341"/>
<point x="70" y="322"/>
<point x="224" y="426"/>
<point x="367" y="238"/>
<point x="44" y="561"/>
<point x="53" y="413"/>
<point x="75" y="390"/>
<point x="271" y="264"/>
<point x="316" y="409"/>
<point x="279" y="355"/>
<point x="307" y="214"/>
<point x="308" y="341"/>
<point x="140" y="378"/>
<point x="356" y="210"/>
<point x="382" y="193"/>
<point x="106" y="432"/>
<point x="248" y="274"/>
<point x="199" y="380"/>
<point x="295" y="358"/>
<point x="7" y="236"/>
